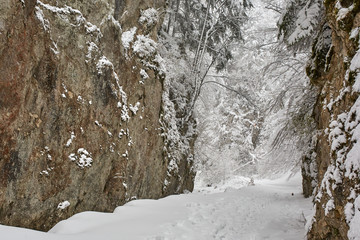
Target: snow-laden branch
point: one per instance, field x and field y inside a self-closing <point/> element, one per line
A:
<point x="233" y="90"/>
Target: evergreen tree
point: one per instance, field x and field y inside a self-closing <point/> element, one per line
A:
<point x="300" y="23"/>
<point x="206" y="27"/>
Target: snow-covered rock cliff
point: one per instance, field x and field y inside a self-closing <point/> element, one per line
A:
<point x="81" y="108"/>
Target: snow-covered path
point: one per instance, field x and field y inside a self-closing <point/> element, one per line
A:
<point x="267" y="210"/>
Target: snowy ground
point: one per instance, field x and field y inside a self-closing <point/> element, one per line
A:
<point x="269" y="210"/>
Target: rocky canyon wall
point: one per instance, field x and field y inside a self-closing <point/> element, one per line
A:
<point x="81" y="127"/>
<point x="332" y="169"/>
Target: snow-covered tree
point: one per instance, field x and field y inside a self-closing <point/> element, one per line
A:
<point x="196" y="38"/>
<point x="205" y="31"/>
<point x="265" y="130"/>
<point x="300" y="23"/>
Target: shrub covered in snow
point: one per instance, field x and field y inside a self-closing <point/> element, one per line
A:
<point x="149" y="17"/>
<point x="144" y="46"/>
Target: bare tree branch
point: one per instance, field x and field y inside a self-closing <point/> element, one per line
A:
<point x="274" y="7"/>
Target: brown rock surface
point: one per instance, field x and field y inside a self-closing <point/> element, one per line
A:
<point x="336" y="97"/>
<point x="77" y="124"/>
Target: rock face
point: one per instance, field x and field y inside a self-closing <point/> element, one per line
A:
<point x="332" y="170"/>
<point x="80" y="109"/>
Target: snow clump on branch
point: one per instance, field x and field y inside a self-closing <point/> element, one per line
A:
<point x="149" y="17"/>
<point x="144" y="46"/>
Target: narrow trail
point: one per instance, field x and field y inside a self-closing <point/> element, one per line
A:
<point x="269" y="210"/>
